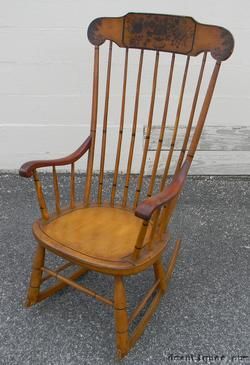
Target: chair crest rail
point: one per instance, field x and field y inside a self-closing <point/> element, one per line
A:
<point x="169" y="33"/>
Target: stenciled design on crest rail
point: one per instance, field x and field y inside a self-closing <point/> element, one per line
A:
<point x="159" y="32"/>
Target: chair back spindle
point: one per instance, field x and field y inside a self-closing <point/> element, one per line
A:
<point x="104" y="129"/>
<point x="148" y="132"/>
<point x="191" y="117"/>
<point x="133" y="134"/>
<point x="72" y="186"/>
<point x="93" y="127"/>
<point x="163" y="127"/>
<point x="119" y="142"/>
<point x="40" y="197"/>
<point x="56" y="190"/>
<point x="176" y="125"/>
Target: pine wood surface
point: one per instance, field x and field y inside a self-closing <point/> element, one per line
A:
<point x="105" y="233"/>
<point x="99" y="254"/>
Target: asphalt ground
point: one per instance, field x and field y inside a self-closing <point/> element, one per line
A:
<point x="204" y="317"/>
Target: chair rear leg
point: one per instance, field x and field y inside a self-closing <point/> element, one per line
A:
<point x="36" y="276"/>
<point x="172" y="261"/>
<point x="121" y="318"/>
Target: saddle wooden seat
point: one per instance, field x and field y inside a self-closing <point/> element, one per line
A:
<point x="127" y="233"/>
<point x="107" y="248"/>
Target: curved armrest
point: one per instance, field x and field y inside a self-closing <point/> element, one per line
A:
<point x="27" y="168"/>
<point x="146" y="208"/>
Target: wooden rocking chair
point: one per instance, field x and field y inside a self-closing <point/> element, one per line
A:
<point x="126" y="236"/>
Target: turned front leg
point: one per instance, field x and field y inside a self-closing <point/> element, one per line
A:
<point x="36" y="276"/>
<point x="121" y="317"/>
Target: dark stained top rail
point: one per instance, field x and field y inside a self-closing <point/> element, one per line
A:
<point x="169" y="33"/>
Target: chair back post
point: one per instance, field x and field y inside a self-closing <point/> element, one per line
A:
<point x="203" y="113"/>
